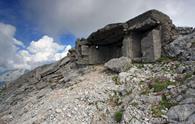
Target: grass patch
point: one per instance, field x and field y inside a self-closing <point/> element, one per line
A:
<point x="166" y="59"/>
<point x="116" y="80"/>
<point x="188" y="75"/>
<point x="160" y="84"/>
<point x="115" y="100"/>
<point x="164" y="103"/>
<point x="1" y="92"/>
<point x="139" y="66"/>
<point x="156" y="111"/>
<point x="118" y="116"/>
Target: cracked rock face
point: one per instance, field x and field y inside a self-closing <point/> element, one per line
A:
<point x="182" y="48"/>
<point x="181" y="112"/>
<point x="184" y="112"/>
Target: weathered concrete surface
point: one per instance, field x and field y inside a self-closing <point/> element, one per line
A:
<point x="102" y="54"/>
<point x="151" y="46"/>
<point x="111" y="33"/>
<point x="127" y="46"/>
<point x="142" y="39"/>
<point x="152" y="19"/>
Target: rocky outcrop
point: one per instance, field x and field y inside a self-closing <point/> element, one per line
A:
<point x="64" y="92"/>
<point x="182" y="48"/>
<point x="118" y="64"/>
<point x="184" y="112"/>
<point x="38" y="83"/>
<point x="185" y="30"/>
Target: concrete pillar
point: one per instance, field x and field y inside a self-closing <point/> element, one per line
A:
<point x="127" y="46"/>
<point x="151" y="46"/>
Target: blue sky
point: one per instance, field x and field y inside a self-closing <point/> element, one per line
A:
<point x="13" y="12"/>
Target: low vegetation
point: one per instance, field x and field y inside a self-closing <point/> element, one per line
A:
<point x="116" y="80"/>
<point x="166" y="59"/>
<point x="1" y="92"/>
<point x="139" y="66"/>
<point x="160" y="84"/>
<point x="163" y="105"/>
<point x="118" y="116"/>
<point x="115" y="100"/>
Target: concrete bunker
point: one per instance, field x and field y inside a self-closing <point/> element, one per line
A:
<point x="102" y="53"/>
<point x="143" y="45"/>
<point x="141" y="39"/>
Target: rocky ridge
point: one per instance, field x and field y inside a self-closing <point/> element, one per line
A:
<point x="143" y="94"/>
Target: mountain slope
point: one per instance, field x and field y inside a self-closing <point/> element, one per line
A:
<point x="11" y="75"/>
<point x="65" y="92"/>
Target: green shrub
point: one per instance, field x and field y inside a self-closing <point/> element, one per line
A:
<point x="164" y="104"/>
<point x="156" y="111"/>
<point x="140" y="66"/>
<point x="188" y="75"/>
<point x="159" y="85"/>
<point x="166" y="59"/>
<point x="118" y="116"/>
<point x="116" y="80"/>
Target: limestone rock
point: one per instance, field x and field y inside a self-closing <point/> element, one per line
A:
<point x="188" y="101"/>
<point x="183" y="47"/>
<point x="118" y="64"/>
<point x="185" y="30"/>
<point x="181" y="112"/>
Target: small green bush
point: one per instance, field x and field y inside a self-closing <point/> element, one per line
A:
<point x="140" y="66"/>
<point x="1" y="92"/>
<point x="188" y="75"/>
<point x="118" y="116"/>
<point x="160" y="85"/>
<point x="156" y="111"/>
<point x="116" y="80"/>
<point x="166" y="59"/>
<point x="164" y="104"/>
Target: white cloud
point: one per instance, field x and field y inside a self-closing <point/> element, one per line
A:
<point x="40" y="52"/>
<point x="82" y="17"/>
<point x="7" y="45"/>
<point x="44" y="50"/>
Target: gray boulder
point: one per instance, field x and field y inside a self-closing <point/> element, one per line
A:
<point x="118" y="64"/>
<point x="191" y="119"/>
<point x="180" y="112"/>
<point x="183" y="47"/>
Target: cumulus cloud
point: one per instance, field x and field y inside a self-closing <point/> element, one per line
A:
<point x="40" y="52"/>
<point x="7" y="44"/>
<point x="43" y="51"/>
<point x="81" y="17"/>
